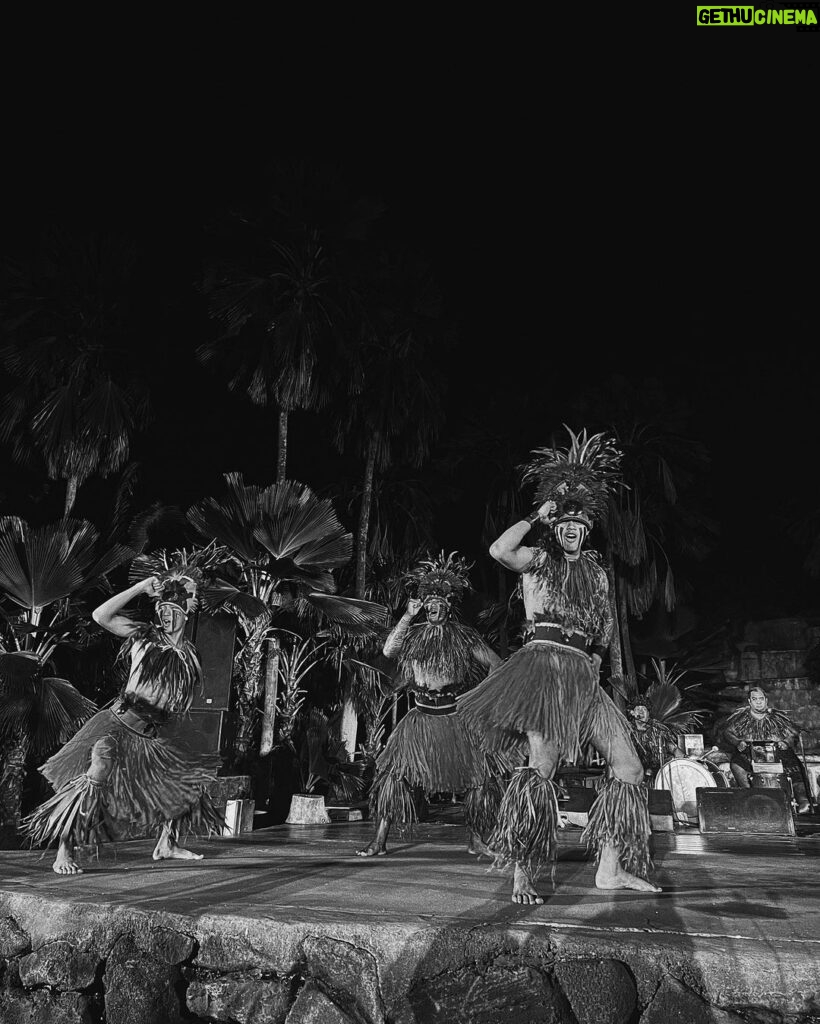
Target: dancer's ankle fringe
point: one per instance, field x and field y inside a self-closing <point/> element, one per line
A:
<point x="391" y="800"/>
<point x="620" y="817"/>
<point x="526" y="832"/>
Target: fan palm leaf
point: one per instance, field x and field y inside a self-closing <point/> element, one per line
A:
<point x="42" y="565"/>
<point x="232" y="519"/>
<point x="284" y="529"/>
<point x="349" y="616"/>
<point x="46" y="710"/>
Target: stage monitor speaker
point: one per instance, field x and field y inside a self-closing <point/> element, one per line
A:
<point x="661" y="810"/>
<point x="745" y="811"/>
<point x="576" y="809"/>
<point x="214" y="636"/>
<point x="203" y="731"/>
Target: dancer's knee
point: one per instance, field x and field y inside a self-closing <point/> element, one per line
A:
<point x="543" y="754"/>
<point x="103" y="760"/>
<point x="626" y="765"/>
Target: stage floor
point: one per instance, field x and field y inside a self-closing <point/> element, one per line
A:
<point x="738" y="919"/>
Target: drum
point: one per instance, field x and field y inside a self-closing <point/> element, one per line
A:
<point x="773" y="780"/>
<point x="682" y="776"/>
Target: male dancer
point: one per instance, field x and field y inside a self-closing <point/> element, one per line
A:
<point x="548" y="690"/>
<point x="431" y="748"/>
<point x="115" y="770"/>
<point x="757" y="721"/>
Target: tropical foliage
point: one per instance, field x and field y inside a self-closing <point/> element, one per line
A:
<point x="77" y="396"/>
<point x="45" y="572"/>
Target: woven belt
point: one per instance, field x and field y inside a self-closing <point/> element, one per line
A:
<point x="431" y="705"/>
<point x="556" y="635"/>
<point x="133" y="720"/>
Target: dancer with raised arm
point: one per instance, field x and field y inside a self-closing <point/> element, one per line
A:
<point x="548" y="691"/>
<point x="116" y="771"/>
<point x="432" y="749"/>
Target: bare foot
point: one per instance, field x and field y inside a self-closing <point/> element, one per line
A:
<point x="523" y="888"/>
<point x="620" y="879"/>
<point x="64" y="863"/>
<point x="170" y="851"/>
<point x="374" y="849"/>
<point x="477" y="847"/>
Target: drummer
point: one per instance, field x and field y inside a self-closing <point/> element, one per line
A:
<point x="653" y="740"/>
<point x="755" y="720"/>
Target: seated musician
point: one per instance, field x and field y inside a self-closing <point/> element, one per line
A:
<point x="654" y="741"/>
<point x="755" y="720"/>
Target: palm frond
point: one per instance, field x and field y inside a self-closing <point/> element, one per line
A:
<point x="43" y="565"/>
<point x="46" y="710"/>
<point x="348" y="615"/>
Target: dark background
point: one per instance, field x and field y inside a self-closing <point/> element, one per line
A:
<point x="680" y="252"/>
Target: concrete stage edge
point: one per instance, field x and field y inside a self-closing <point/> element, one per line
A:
<point x="287" y="924"/>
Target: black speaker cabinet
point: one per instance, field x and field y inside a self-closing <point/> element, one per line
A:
<point x="745" y="810"/>
<point x="660" y="801"/>
<point x="203" y="731"/>
<point x="214" y="639"/>
<point x="580" y="800"/>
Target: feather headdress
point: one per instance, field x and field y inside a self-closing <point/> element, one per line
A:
<point x="663" y="698"/>
<point x="578" y="478"/>
<point x="203" y="575"/>
<point x="444" y="576"/>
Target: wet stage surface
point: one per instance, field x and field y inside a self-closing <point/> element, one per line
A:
<point x="737" y="923"/>
<point x="759" y="888"/>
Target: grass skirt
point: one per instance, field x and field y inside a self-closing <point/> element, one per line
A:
<point x="151" y="781"/>
<point x="620" y="818"/>
<point x="539" y="688"/>
<point x="436" y="753"/>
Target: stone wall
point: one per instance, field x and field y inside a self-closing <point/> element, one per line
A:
<point x="67" y="963"/>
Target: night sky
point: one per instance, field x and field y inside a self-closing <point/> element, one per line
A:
<point x="554" y="283"/>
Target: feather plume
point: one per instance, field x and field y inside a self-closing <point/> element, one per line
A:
<point x="581" y="475"/>
<point x="447" y="575"/>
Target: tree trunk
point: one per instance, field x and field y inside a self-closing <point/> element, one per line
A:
<point x="364" y="517"/>
<point x="503" y="635"/>
<point x="623" y="614"/>
<point x="350" y="721"/>
<point x="71" y="486"/>
<point x="616" y="666"/>
<point x="271" y="691"/>
<point x="250" y="675"/>
<point x="11" y="784"/>
<point x="282" y="447"/>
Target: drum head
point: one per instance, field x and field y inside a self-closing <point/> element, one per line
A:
<point x="682" y="777"/>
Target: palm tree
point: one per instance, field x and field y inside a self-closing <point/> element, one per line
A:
<point x="398" y="409"/>
<point x="76" y="398"/>
<point x="493" y="456"/>
<point x="287" y="543"/>
<point x="284" y="298"/>
<point x="44" y="573"/>
<point x="649" y="527"/>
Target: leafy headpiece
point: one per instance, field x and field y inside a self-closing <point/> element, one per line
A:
<point x="186" y="578"/>
<point x="578" y="478"/>
<point x="442" y="576"/>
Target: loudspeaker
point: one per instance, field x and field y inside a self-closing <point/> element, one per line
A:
<point x="661" y="810"/>
<point x="203" y="732"/>
<point x="213" y="636"/>
<point x="745" y="810"/>
<point x="580" y="799"/>
<point x="576" y="809"/>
